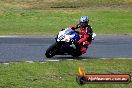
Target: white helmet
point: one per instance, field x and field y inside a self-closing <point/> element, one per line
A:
<point x="84" y="21"/>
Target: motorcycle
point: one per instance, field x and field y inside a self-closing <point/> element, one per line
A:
<point x="66" y="44"/>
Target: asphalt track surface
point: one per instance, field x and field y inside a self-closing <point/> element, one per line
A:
<point x="32" y="48"/>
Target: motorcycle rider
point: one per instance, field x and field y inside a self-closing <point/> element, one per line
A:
<point x="85" y="32"/>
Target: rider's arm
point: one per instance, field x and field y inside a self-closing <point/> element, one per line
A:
<point x="89" y="30"/>
<point x="75" y="27"/>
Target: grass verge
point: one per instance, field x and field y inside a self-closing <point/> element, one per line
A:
<point x="48" y="17"/>
<point x="51" y="21"/>
<point x="60" y="74"/>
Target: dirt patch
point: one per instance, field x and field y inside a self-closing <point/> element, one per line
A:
<point x="53" y="4"/>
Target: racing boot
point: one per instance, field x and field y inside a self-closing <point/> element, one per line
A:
<point x="83" y="49"/>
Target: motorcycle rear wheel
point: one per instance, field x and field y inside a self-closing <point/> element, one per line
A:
<point x="76" y="54"/>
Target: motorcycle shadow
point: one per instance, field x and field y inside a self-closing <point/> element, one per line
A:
<point x="67" y="57"/>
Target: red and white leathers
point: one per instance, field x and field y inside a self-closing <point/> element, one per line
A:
<point x="86" y="36"/>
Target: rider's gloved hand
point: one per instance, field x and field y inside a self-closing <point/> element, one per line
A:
<point x="73" y="27"/>
<point x="93" y="36"/>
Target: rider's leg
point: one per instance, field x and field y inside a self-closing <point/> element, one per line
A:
<point x="85" y="47"/>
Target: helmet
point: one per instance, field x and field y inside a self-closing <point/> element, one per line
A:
<point x="84" y="21"/>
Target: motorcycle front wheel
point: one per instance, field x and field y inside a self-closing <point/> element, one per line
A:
<point x="50" y="52"/>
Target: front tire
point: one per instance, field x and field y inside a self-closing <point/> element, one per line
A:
<point x="50" y="52"/>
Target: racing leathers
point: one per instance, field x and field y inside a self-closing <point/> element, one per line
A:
<point x="86" y="36"/>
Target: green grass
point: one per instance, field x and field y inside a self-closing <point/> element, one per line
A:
<point x="60" y="74"/>
<point x="39" y="16"/>
<point x="51" y="21"/>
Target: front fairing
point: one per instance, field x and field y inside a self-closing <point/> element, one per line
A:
<point x="66" y="39"/>
<point x="66" y="35"/>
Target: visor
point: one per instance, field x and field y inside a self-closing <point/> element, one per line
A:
<point x="83" y="24"/>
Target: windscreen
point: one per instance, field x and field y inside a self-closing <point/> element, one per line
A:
<point x="69" y="31"/>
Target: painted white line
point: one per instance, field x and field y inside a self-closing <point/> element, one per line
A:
<point x="43" y="62"/>
<point x="114" y="58"/>
<point x="29" y="61"/>
<point x="53" y="60"/>
<point x="104" y="58"/>
<point x="12" y="36"/>
<point x="84" y="59"/>
<point x="69" y="59"/>
<point x="26" y="36"/>
<point x="64" y="60"/>
<point x="122" y="58"/>
<point x="6" y="63"/>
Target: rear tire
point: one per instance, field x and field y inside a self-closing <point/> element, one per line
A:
<point x="50" y="52"/>
<point x="76" y="54"/>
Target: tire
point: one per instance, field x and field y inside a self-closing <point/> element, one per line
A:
<point x="50" y="52"/>
<point x="76" y="54"/>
